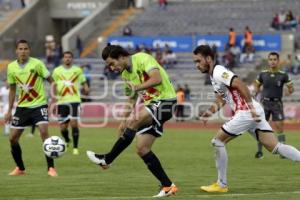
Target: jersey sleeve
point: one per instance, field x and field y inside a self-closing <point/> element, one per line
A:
<point x="82" y="78"/>
<point x="259" y="78"/>
<point x="150" y="63"/>
<point x="42" y="70"/>
<point x="287" y="79"/>
<point x="54" y="75"/>
<point x="223" y="75"/>
<point x="10" y="76"/>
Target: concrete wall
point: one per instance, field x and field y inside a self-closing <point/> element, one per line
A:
<point x="33" y="24"/>
<point x="87" y="26"/>
<point x="74" y="8"/>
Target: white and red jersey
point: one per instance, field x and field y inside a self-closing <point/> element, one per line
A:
<point x="221" y="80"/>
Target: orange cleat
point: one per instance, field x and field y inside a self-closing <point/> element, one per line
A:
<point x="52" y="172"/>
<point x="17" y="172"/>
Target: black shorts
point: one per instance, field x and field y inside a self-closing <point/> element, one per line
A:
<point x="24" y="117"/>
<point x="67" y="111"/>
<point x="161" y="111"/>
<point x="274" y="108"/>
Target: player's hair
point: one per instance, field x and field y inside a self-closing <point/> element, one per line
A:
<point x="273" y="53"/>
<point x="68" y="52"/>
<point x="204" y="50"/>
<point x="114" y="51"/>
<point x="22" y="41"/>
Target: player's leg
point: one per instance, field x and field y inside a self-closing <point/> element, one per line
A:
<point x="64" y="131"/>
<point x="74" y="125"/>
<point x="20" y="121"/>
<point x="240" y="123"/>
<point x="267" y="111"/>
<point x="75" y="135"/>
<point x="16" y="151"/>
<point x="142" y="118"/>
<point x="43" y="128"/>
<point x="63" y="119"/>
<point x="221" y="159"/>
<point x="271" y="143"/>
<point x="144" y="144"/>
<point x="39" y="117"/>
<point x="278" y="117"/>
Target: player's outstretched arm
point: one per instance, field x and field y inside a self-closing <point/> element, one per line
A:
<point x="215" y="107"/>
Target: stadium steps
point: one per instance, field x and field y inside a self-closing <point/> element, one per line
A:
<point x="8" y="17"/>
<point x="118" y="20"/>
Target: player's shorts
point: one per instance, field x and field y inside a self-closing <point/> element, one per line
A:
<point x="161" y="111"/>
<point x="24" y="117"/>
<point x="67" y="111"/>
<point x="274" y="108"/>
<point x="242" y="122"/>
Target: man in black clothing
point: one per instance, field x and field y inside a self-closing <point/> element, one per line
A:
<point x="273" y="80"/>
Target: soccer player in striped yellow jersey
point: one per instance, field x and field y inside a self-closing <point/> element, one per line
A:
<point x="68" y="78"/>
<point x="27" y="75"/>
<point x="144" y="77"/>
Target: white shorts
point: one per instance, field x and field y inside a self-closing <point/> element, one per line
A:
<point x="242" y="122"/>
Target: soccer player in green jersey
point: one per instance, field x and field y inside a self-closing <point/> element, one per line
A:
<point x="144" y="77"/>
<point x="27" y="74"/>
<point x="68" y="78"/>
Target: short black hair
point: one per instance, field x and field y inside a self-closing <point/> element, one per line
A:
<point x="22" y="41"/>
<point x="273" y="53"/>
<point x="204" y="50"/>
<point x="114" y="51"/>
<point x="68" y="52"/>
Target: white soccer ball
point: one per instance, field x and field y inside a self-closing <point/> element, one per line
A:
<point x="54" y="147"/>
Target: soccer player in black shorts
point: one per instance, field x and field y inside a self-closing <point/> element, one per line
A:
<point x="67" y="80"/>
<point x="145" y="76"/>
<point x="272" y="82"/>
<point x="27" y="74"/>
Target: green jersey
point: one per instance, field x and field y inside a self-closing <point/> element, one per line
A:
<point x="142" y="63"/>
<point x="29" y="80"/>
<point x="68" y="81"/>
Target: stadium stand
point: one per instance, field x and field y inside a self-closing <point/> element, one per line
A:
<point x="206" y="17"/>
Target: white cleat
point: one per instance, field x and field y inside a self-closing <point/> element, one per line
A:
<point x="167" y="191"/>
<point x="97" y="159"/>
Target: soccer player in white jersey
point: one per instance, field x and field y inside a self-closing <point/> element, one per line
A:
<point x="248" y="116"/>
<point x="4" y="95"/>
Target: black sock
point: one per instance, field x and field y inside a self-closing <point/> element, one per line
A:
<point x="121" y="144"/>
<point x="32" y="129"/>
<point x="50" y="162"/>
<point x="156" y="169"/>
<point x="259" y="147"/>
<point x="65" y="134"/>
<point x="75" y="135"/>
<point x="17" y="155"/>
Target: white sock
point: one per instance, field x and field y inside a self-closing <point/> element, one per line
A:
<point x="6" y="129"/>
<point x="221" y="161"/>
<point x="287" y="151"/>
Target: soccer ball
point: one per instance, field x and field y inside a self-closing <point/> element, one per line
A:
<point x="54" y="147"/>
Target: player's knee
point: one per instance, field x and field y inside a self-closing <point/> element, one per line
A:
<point x="217" y="143"/>
<point x="142" y="150"/>
<point x="13" y="140"/>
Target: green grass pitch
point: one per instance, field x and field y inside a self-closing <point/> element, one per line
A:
<point x="186" y="155"/>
